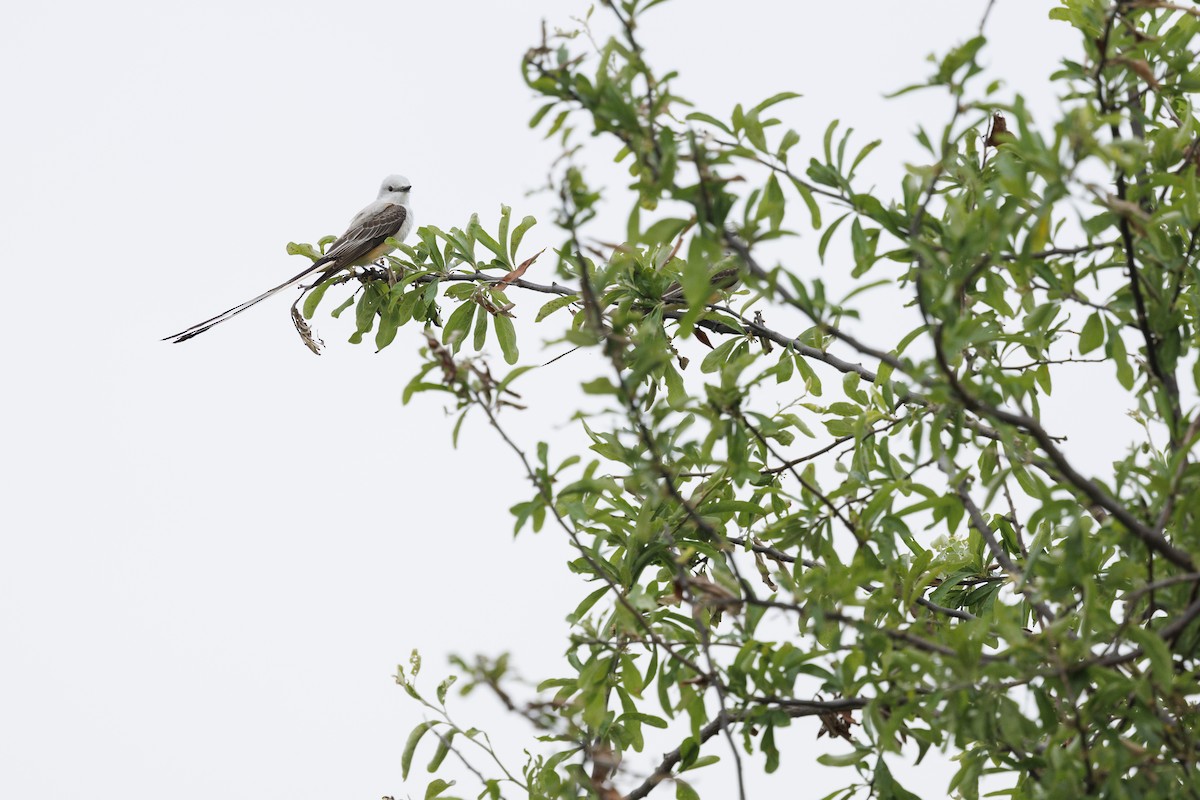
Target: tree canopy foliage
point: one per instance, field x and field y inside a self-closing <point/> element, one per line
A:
<point x="880" y="538"/>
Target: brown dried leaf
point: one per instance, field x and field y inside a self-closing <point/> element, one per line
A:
<point x="836" y="724"/>
<point x="762" y="340"/>
<point x="445" y="360"/>
<point x="999" y="127"/>
<point x="485" y="300"/>
<point x="305" y="330"/>
<point x="520" y="270"/>
<point x="763" y="572"/>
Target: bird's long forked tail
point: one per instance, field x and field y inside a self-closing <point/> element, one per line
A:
<point x="201" y="327"/>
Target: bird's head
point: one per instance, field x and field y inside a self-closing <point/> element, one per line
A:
<point x="395" y="188"/>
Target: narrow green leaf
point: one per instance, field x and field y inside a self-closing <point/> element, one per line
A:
<point x="436" y="787"/>
<point x="487" y="241"/>
<point x="505" y="218"/>
<point x="776" y="98"/>
<point x="443" y="749"/>
<point x="480" y="331"/>
<point x="554" y="305"/>
<point x="586" y="605"/>
<point x="699" y="116"/>
<point x="337" y="312"/>
<point x="518" y="235"/>
<point x="814" y="210"/>
<point x="790" y="140"/>
<point x="866" y="151"/>
<point x="541" y="113"/>
<point x="314" y="299"/>
<point x="457" y="326"/>
<point x="410" y="747"/>
<point x="507" y="335"/>
<point x="389" y="324"/>
<point x="843" y="760"/>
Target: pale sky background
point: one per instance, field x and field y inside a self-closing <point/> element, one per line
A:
<point x="215" y="553"/>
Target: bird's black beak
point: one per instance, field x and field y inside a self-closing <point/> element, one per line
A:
<point x="405" y="188"/>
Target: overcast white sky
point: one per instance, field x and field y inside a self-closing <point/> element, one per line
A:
<point x="214" y="554"/>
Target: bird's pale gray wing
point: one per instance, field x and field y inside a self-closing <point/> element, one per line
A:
<point x="367" y="231"/>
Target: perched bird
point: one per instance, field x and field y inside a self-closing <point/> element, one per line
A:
<point x="363" y="243"/>
<point x="720" y="282"/>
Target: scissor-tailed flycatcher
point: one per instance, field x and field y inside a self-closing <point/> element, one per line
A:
<point x="364" y="242"/>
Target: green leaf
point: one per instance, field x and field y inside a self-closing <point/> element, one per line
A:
<point x="389" y="324"/>
<point x="480" y="331"/>
<point x="407" y="306"/>
<point x="688" y="751"/>
<point x="771" y="203"/>
<point x="664" y="231"/>
<point x="598" y="386"/>
<point x="695" y="283"/>
<point x="436" y="787"/>
<point x="337" y="312"/>
<point x="314" y="299"/>
<point x="827" y="235"/>
<point x="677" y="396"/>
<point x="507" y="335"/>
<point x="586" y="606"/>
<point x="698" y="116"/>
<point x="541" y="113"/>
<point x="1092" y="335"/>
<point x="684" y="790"/>
<point x="303" y="249"/>
<point x="770" y="750"/>
<point x="513" y="375"/>
<point x="410" y="747"/>
<point x="1116" y="351"/>
<point x="701" y="762"/>
<point x="776" y="98"/>
<point x="487" y="241"/>
<point x="1156" y="650"/>
<point x="505" y="218"/>
<point x="843" y="760"/>
<point x="814" y="210"/>
<point x="754" y="131"/>
<point x="717" y="356"/>
<point x="368" y="305"/>
<point x="790" y="139"/>
<point x="443" y="749"/>
<point x="863" y="252"/>
<point x="862" y="154"/>
<point x="645" y="719"/>
<point x="554" y="305"/>
<point x="457" y="326"/>
<point x="850" y="385"/>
